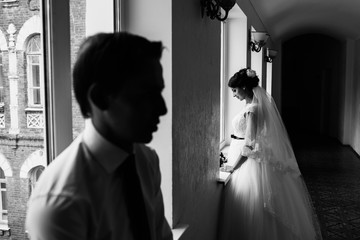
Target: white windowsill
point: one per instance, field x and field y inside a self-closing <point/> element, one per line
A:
<point x="179" y="230"/>
<point x="34" y="109"/>
<point x="224" y="177"/>
<point x="4" y="226"/>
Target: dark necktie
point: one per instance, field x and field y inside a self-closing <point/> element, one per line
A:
<point x="134" y="200"/>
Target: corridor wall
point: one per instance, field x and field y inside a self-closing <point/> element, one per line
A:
<point x="196" y="108"/>
<point x="351" y="101"/>
<point x="355" y="102"/>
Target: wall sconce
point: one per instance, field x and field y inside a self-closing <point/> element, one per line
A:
<point x="213" y="8"/>
<point x="271" y="54"/>
<point x="258" y="40"/>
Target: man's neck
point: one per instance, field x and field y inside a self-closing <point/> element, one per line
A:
<point x="127" y="146"/>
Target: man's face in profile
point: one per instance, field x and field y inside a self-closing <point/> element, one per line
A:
<point x="134" y="113"/>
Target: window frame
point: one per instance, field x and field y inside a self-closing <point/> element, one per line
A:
<point x="2" y="211"/>
<point x="119" y="21"/>
<point x="223" y="86"/>
<point x="57" y="84"/>
<point x="234" y="48"/>
<point x="234" y="54"/>
<point x="269" y="82"/>
<point x="29" y="71"/>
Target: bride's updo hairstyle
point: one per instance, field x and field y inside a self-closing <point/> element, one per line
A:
<point x="246" y="79"/>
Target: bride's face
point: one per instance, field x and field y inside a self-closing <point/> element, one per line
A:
<point x="239" y="93"/>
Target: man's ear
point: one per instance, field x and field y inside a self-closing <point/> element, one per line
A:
<point x="97" y="96"/>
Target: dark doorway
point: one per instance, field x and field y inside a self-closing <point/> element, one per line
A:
<point x="312" y="70"/>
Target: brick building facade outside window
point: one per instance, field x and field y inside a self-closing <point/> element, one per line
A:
<point x="22" y="141"/>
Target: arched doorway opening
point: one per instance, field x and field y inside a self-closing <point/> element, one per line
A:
<point x="312" y="86"/>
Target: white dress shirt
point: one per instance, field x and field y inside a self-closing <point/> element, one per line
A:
<point x="78" y="196"/>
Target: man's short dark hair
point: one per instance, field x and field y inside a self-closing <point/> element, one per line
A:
<point x="109" y="60"/>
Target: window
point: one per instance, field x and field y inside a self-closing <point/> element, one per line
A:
<point x="27" y="52"/>
<point x="34" y="175"/>
<point x="84" y="16"/>
<point x="22" y="66"/>
<point x="33" y="54"/>
<point x="269" y="69"/>
<point x="257" y="59"/>
<point x="222" y="86"/>
<point x="233" y="58"/>
<point x="3" y="198"/>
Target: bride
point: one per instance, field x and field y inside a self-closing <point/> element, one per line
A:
<point x="266" y="198"/>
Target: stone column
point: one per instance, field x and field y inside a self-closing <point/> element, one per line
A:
<point x="13" y="82"/>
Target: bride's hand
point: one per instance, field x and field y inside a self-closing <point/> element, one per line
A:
<point x="229" y="169"/>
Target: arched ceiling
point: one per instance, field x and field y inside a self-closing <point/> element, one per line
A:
<point x="284" y="19"/>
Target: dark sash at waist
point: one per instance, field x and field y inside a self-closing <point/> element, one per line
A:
<point x="235" y="137"/>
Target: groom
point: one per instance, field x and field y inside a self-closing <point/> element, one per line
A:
<point x="106" y="184"/>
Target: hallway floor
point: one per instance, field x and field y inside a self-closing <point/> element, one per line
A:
<point x="332" y="174"/>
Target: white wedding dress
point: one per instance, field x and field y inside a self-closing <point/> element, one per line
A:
<point x="266" y="198"/>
